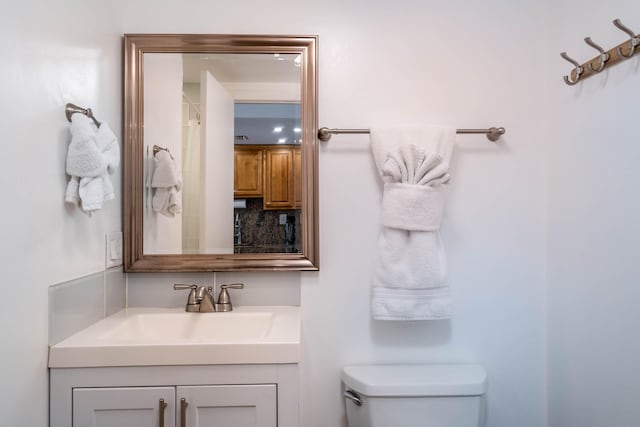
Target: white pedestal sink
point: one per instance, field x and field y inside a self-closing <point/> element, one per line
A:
<point x="160" y="336"/>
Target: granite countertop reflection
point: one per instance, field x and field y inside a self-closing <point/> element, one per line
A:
<point x="262" y="249"/>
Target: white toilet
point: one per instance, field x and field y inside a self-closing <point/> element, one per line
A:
<point x="415" y="395"/>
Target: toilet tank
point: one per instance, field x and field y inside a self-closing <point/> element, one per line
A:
<point x="415" y="395"/>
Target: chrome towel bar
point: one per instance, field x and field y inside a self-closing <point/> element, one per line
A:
<point x="493" y="133"/>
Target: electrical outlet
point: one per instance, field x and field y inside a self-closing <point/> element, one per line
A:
<point x="283" y="219"/>
<point x="113" y="249"/>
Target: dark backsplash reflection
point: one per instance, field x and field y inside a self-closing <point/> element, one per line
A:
<point x="262" y="232"/>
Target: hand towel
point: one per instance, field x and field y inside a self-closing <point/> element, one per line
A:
<point x="166" y="184"/>
<point x="410" y="280"/>
<point x="93" y="154"/>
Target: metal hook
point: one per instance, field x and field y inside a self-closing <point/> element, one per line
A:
<point x="578" y="69"/>
<point x="604" y="57"/>
<point x="634" y="41"/>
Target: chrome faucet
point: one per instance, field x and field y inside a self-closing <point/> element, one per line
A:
<point x="200" y="299"/>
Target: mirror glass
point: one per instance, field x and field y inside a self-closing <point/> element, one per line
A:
<point x="221" y="170"/>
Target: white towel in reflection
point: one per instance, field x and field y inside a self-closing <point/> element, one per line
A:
<point x="166" y="184"/>
<point x="92" y="156"/>
<point x="410" y="277"/>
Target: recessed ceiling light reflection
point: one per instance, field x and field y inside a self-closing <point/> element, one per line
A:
<point x="277" y="129"/>
<point x="282" y="140"/>
<point x="297" y="130"/>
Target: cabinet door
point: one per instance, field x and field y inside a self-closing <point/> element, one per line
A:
<point x="278" y="191"/>
<point x="247" y="172"/>
<point x="228" y="406"/>
<point x="124" y="407"/>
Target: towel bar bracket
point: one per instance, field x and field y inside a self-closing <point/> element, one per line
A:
<point x="71" y="109"/>
<point x="157" y="148"/>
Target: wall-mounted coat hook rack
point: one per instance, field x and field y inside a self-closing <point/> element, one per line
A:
<point x="604" y="59"/>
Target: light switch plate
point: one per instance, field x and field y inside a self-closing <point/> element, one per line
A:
<point x="113" y="249"/>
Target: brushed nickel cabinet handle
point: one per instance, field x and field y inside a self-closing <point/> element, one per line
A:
<point x="183" y="412"/>
<point x="161" y="406"/>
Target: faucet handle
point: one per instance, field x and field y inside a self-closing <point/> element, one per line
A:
<point x="224" y="301"/>
<point x="192" y="301"/>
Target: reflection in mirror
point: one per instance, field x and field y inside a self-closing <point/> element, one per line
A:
<point x="267" y="222"/>
<point x="199" y="107"/>
<point x="227" y="162"/>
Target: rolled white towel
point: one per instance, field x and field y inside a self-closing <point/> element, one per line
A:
<point x="93" y="154"/>
<point x="84" y="156"/>
<point x="410" y="280"/>
<point x="166" y="184"/>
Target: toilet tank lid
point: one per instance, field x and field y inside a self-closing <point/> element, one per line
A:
<point x="416" y="380"/>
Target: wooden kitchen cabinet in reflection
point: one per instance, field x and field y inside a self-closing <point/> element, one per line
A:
<point x="278" y="174"/>
<point x="247" y="171"/>
<point x="269" y="171"/>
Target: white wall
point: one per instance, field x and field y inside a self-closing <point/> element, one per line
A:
<point x="269" y="91"/>
<point x="434" y="63"/>
<point x="594" y="226"/>
<point x="464" y="63"/>
<point x="52" y="53"/>
<point x="471" y="64"/>
<point x="163" y="127"/>
<point x="217" y="165"/>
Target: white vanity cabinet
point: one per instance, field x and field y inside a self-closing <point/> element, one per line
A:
<point x="175" y="396"/>
<point x="189" y="406"/>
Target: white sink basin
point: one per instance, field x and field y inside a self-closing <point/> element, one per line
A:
<point x="190" y="327"/>
<point x="157" y="336"/>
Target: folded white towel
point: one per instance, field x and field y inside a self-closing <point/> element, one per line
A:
<point x="93" y="154"/>
<point x="410" y="278"/>
<point x="166" y="183"/>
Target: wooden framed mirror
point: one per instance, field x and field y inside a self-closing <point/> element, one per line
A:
<point x="220" y="153"/>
